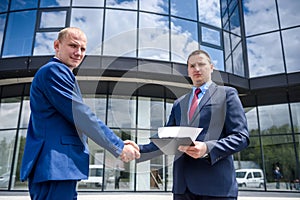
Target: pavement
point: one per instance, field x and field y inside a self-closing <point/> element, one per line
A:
<point x="243" y="195"/>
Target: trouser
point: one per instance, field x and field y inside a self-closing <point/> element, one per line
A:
<point x="53" y="190"/>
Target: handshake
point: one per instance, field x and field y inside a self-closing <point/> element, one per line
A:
<point x="130" y="151"/>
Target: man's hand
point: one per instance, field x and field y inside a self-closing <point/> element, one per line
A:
<point x="130" y="151"/>
<point x="197" y="151"/>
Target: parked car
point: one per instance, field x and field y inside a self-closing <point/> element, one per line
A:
<point x="95" y="176"/>
<point x="250" y="177"/>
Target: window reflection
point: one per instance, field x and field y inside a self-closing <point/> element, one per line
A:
<point x="156" y="6"/>
<point x="263" y="12"/>
<point x="128" y="4"/>
<point x="2" y="25"/>
<point x="54" y="3"/>
<point x="150" y="113"/>
<point x="9" y="113"/>
<point x="216" y="56"/>
<point x="251" y="115"/>
<point x="120" y="31"/>
<point x="185" y="9"/>
<point x="227" y="48"/>
<point x="20" y="4"/>
<point x="25" y="113"/>
<point x="44" y="43"/>
<point x="91" y="22"/>
<point x="154" y="37"/>
<point x="274" y="119"/>
<point x="235" y="25"/>
<point x="209" y="12"/>
<point x="288" y="13"/>
<point x="4" y="6"/>
<point x="265" y="55"/>
<point x="279" y="152"/>
<point x="238" y="61"/>
<point x="7" y="141"/>
<point x="97" y="104"/>
<point x="94" y="3"/>
<point x="295" y="108"/>
<point x="19" y="34"/>
<point x="121" y="112"/>
<point x="210" y="36"/>
<point x="184" y="39"/>
<point x="291" y="48"/>
<point x="53" y="19"/>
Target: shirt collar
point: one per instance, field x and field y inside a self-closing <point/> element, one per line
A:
<point x="203" y="87"/>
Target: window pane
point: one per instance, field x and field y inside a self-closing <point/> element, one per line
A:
<point x="25" y="113"/>
<point x="4" y="6"/>
<point x="150" y="113"/>
<point x="210" y="36"/>
<point x="289" y="13"/>
<point x="295" y="107"/>
<point x="209" y="12"/>
<point x="21" y="4"/>
<point x="95" y="3"/>
<point x="161" y="6"/>
<point x="279" y="152"/>
<point x="9" y="113"/>
<point x="91" y="22"/>
<point x="97" y="104"/>
<point x="238" y="62"/>
<point x="263" y="12"/>
<point x="120" y="31"/>
<point x="184" y="39"/>
<point x="129" y="4"/>
<point x="235" y="25"/>
<point x="261" y="51"/>
<point x="154" y="37"/>
<point x="7" y="141"/>
<point x="185" y="9"/>
<point x="19" y="34"/>
<point x="54" y="3"/>
<point x="291" y="44"/>
<point x="216" y="56"/>
<point x="251" y="115"/>
<point x="53" y="19"/>
<point x="44" y="43"/>
<point x="227" y="48"/>
<point x="121" y="112"/>
<point x="274" y="119"/>
<point x="2" y="25"/>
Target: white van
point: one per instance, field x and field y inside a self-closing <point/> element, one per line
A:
<point x="95" y="176"/>
<point x="250" y="177"/>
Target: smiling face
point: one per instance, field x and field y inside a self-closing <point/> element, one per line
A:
<point x="200" y="69"/>
<point x="70" y="47"/>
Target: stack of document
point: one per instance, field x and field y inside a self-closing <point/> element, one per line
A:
<point x="171" y="137"/>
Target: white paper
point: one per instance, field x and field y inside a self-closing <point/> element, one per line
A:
<point x="179" y="131"/>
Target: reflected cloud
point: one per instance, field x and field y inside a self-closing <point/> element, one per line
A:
<point x="265" y="55"/>
<point x="44" y="43"/>
<point x="209" y="12"/>
<point x="260" y="16"/>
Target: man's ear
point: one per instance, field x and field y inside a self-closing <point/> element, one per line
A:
<point x="56" y="45"/>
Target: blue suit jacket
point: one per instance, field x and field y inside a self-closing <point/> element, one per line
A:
<point x="221" y="115"/>
<point x="56" y="144"/>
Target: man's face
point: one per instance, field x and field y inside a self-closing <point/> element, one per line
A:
<point x="71" y="49"/>
<point x="199" y="69"/>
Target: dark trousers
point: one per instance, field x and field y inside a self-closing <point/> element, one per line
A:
<point x="53" y="190"/>
<point x="190" y="196"/>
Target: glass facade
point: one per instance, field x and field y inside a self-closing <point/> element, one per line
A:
<point x="135" y="69"/>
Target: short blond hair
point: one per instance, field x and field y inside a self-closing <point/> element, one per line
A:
<point x="64" y="33"/>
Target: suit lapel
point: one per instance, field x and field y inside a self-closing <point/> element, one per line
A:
<point x="207" y="96"/>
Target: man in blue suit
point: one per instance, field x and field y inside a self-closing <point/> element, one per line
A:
<point x="56" y="152"/>
<point x="206" y="170"/>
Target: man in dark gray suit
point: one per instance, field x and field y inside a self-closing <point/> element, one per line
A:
<point x="206" y="170"/>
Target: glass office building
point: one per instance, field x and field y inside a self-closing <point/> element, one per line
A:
<point x="136" y="67"/>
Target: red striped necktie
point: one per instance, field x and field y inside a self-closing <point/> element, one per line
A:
<point x="194" y="103"/>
